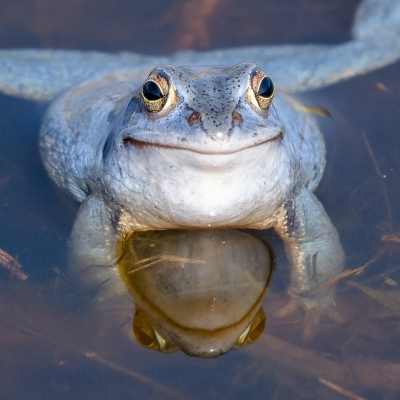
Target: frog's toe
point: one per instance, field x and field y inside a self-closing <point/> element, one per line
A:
<point x="314" y="319"/>
<point x="313" y="314"/>
<point x="288" y="309"/>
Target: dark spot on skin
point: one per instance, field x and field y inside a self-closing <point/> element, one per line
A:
<point x="290" y="213"/>
<point x="111" y="115"/>
<point x="129" y="110"/>
<point x="237" y="117"/>
<point x="107" y="146"/>
<point x="116" y="216"/>
<point x="314" y="267"/>
<point x="193" y="118"/>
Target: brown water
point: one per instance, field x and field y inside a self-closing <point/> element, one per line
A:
<point x="51" y="346"/>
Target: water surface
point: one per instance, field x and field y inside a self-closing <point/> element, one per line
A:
<point x="52" y="346"/>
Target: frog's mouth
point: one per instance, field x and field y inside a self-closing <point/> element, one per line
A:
<point x="140" y="144"/>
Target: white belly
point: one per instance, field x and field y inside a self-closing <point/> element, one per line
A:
<point x="172" y="188"/>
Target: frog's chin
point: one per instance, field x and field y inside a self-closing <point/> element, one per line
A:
<point x="168" y="187"/>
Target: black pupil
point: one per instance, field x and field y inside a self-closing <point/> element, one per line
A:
<point x="151" y="91"/>
<point x="266" y="88"/>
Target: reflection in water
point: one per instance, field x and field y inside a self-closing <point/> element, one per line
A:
<point x="197" y="290"/>
<point x="200" y="290"/>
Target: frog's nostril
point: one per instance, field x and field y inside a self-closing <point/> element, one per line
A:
<point x="237" y="117"/>
<point x="193" y="118"/>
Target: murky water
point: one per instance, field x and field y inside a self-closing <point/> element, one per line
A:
<point x="55" y="344"/>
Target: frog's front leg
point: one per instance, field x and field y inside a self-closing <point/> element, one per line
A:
<point x="93" y="245"/>
<point x="93" y="261"/>
<point x="313" y="247"/>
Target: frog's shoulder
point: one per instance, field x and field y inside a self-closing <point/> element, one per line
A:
<point x="306" y="140"/>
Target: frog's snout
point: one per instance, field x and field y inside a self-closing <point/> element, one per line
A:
<point x="195" y="117"/>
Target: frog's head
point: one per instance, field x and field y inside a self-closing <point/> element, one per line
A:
<point x="206" y="110"/>
<point x="191" y="135"/>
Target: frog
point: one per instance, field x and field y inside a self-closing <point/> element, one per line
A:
<point x="192" y="147"/>
<point x="179" y="141"/>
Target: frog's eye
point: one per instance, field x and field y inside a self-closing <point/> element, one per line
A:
<point x="151" y="91"/>
<point x="155" y="93"/>
<point x="263" y="88"/>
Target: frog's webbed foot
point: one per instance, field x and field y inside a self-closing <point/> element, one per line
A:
<point x="42" y="75"/>
<point x="312" y="319"/>
<point x="314" y="250"/>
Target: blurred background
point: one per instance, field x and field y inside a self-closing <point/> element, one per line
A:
<point x="162" y="26"/>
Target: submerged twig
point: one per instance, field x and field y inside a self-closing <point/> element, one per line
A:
<point x="383" y="297"/>
<point x="395" y="237"/>
<point x="376" y="277"/>
<point x="163" y="257"/>
<point x="318" y="110"/>
<point x="133" y="374"/>
<point x="344" y="274"/>
<point x="340" y="390"/>
<point x="382" y="87"/>
<point x="97" y="358"/>
<point x="379" y="173"/>
<point x="12" y="265"/>
<point x="369" y="372"/>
